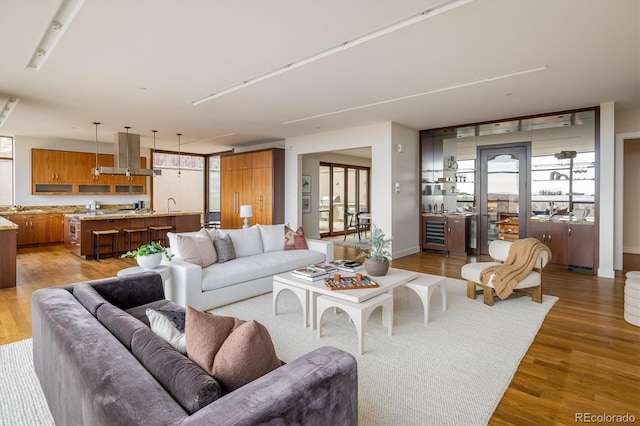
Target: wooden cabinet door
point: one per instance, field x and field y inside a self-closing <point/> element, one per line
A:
<point x="261" y="185"/>
<point x="457" y="236"/>
<point x="235" y="190"/>
<point x="43" y="167"/>
<point x="23" y="235"/>
<point x="262" y="159"/>
<point x="55" y="228"/>
<point x="557" y="242"/>
<point x="580" y="248"/>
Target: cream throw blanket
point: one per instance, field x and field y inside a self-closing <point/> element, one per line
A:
<point x="520" y="262"/>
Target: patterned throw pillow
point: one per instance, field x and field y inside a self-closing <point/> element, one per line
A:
<point x="170" y="326"/>
<point x="224" y="248"/>
<point x="294" y="240"/>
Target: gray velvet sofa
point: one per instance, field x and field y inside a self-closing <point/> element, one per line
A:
<point x="99" y="364"/>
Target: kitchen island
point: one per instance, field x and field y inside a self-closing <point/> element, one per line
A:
<point x="8" y="232"/>
<point x="79" y="227"/>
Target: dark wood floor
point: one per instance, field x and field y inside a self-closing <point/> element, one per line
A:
<point x="584" y="359"/>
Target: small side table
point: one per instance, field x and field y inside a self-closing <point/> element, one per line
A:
<point x="163" y="270"/>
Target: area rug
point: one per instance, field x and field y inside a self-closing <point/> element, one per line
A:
<point x="451" y="371"/>
<point x="21" y="399"/>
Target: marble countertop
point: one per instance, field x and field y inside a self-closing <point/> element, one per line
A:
<point x="448" y="214"/>
<point x="125" y="214"/>
<point x="6" y="224"/>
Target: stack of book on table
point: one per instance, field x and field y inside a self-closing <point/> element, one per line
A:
<point x="347" y="265"/>
<point x="316" y="272"/>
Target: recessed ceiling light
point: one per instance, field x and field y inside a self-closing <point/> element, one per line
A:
<point x="7" y="109"/>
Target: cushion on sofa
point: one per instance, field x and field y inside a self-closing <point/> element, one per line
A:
<point x="224" y="248"/>
<point x="261" y="265"/>
<point x="246" y="242"/>
<point x="271" y="236"/>
<point x="205" y="333"/>
<point x="119" y="323"/>
<point x="173" y="241"/>
<point x="198" y="249"/>
<point x="88" y="297"/>
<point x="131" y="290"/>
<point x="140" y="312"/>
<point x="246" y="355"/>
<point x="294" y="240"/>
<point x="169" y="325"/>
<point x="187" y="383"/>
<point x="233" y="351"/>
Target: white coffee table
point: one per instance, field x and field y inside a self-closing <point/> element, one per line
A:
<point x="308" y="293"/>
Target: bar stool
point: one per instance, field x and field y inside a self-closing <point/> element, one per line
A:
<point x="161" y="230"/>
<point x="114" y="233"/>
<point x="142" y="233"/>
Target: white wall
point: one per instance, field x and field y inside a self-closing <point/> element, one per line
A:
<point x="606" y="189"/>
<point x="406" y="203"/>
<point x="381" y="137"/>
<point x="22" y="173"/>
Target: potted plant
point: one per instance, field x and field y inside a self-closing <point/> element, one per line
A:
<point x="149" y="256"/>
<point x="377" y="257"/>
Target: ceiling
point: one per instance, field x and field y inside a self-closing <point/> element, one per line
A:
<point x="141" y="63"/>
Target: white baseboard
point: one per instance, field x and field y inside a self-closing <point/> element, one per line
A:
<point x="406" y="252"/>
<point x="631" y="250"/>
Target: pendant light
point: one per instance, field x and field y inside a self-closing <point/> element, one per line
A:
<point x="179" y="154"/>
<point x="155" y="173"/>
<point x="96" y="171"/>
<point x="128" y="172"/>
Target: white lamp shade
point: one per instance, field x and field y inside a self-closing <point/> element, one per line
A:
<point x="246" y="211"/>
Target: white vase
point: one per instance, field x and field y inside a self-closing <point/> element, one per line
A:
<point x="150" y="261"/>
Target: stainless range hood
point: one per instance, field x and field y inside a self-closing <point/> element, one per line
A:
<point x="127" y="157"/>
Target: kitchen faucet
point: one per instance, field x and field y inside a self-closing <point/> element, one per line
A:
<point x="170" y="199"/>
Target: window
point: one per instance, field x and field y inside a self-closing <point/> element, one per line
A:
<point x="6" y="171"/>
<point x="182" y="179"/>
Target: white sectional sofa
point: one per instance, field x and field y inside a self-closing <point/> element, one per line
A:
<point x="260" y="254"/>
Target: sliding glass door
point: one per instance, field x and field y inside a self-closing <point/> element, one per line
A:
<point x="342" y="189"/>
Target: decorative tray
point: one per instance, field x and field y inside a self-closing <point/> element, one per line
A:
<point x="349" y="283"/>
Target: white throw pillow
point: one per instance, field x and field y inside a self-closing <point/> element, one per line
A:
<point x="246" y="242"/>
<point x="173" y="241"/>
<point x="272" y="237"/>
<point x="166" y="329"/>
<point x="198" y="250"/>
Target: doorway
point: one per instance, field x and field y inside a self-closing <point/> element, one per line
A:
<point x="503" y="193"/>
<point x="342" y="189"/>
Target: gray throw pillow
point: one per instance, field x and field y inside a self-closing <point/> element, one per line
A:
<point x="224" y="248"/>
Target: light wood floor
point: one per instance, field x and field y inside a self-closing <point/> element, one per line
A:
<point x="584" y="359"/>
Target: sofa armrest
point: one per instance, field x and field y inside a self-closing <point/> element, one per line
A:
<point x="319" y="388"/>
<point x="325" y="247"/>
<point x="185" y="282"/>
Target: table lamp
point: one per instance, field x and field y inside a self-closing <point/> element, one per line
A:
<point x="246" y="212"/>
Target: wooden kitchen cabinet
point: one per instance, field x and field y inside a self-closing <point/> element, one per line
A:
<point x="32" y="228"/>
<point x="255" y="178"/>
<point x="64" y="172"/>
<point x="580" y="245"/>
<point x="52" y="171"/>
<point x="446" y="233"/>
<point x="554" y="235"/>
<point x="458" y="235"/>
